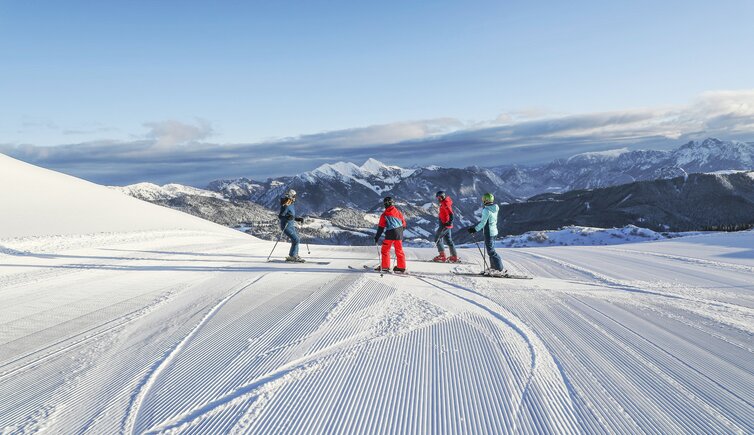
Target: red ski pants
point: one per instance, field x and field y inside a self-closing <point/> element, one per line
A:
<point x="398" y="244"/>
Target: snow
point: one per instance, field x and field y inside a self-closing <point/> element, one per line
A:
<point x="150" y="191"/>
<point x="600" y="155"/>
<point x="39" y="202"/>
<point x="372" y="218"/>
<point x="187" y="329"/>
<point x="376" y="167"/>
<point x="587" y="236"/>
<point x="388" y="175"/>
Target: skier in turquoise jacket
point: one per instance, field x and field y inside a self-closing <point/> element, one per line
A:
<point x="488" y="224"/>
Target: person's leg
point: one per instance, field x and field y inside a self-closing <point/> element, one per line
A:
<point x="496" y="262"/>
<point x="451" y="245"/>
<point x="399" y="254"/>
<point x="386" y="244"/>
<point x="438" y="239"/>
<point x="293" y="235"/>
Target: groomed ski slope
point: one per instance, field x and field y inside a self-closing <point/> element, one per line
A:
<point x="159" y="330"/>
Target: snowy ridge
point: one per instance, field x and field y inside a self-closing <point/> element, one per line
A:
<point x="152" y="192"/>
<point x="368" y="173"/>
<point x="620" y="166"/>
<point x="599" y="155"/>
<point x="52" y="203"/>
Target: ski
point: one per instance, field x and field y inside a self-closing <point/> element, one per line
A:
<point x="322" y="263"/>
<point x="484" y="275"/>
<point x="437" y="262"/>
<point x="367" y="269"/>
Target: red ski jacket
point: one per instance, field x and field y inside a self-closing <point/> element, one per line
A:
<point x="446" y="213"/>
<point x="392" y="223"/>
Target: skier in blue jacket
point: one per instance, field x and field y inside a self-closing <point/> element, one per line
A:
<point x="489" y="225"/>
<point x="287" y="216"/>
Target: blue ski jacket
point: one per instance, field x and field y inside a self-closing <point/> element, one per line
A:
<point x="287" y="214"/>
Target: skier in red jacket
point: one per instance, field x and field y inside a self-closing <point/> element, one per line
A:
<point x="445" y="225"/>
<point x="392" y="224"/>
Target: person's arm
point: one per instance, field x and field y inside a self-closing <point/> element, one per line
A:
<point x="485" y="218"/>
<point x="284" y="212"/>
<point x="380" y="228"/>
<point x="377" y="236"/>
<point x="482" y="223"/>
<point x="449" y="223"/>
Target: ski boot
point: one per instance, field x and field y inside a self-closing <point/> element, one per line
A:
<point x="441" y="258"/>
<point x="397" y="269"/>
<point x="495" y="272"/>
<point x="380" y="269"/>
<point x="294" y="259"/>
<point x="454" y="259"/>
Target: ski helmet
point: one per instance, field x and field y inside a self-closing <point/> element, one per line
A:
<point x="440" y="195"/>
<point x="290" y="193"/>
<point x="388" y="201"/>
<point x="488" y="198"/>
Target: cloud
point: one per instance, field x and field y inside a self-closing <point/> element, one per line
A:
<point x="173" y="151"/>
<point x="170" y="133"/>
<point x="88" y="131"/>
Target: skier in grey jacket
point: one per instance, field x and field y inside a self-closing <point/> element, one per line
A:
<point x="489" y="225"/>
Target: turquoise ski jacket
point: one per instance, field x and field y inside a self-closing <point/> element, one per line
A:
<point x="489" y="217"/>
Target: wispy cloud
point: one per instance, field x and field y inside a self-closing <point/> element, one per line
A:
<point x="167" y="134"/>
<point x="181" y="152"/>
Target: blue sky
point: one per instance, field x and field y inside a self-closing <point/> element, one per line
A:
<point x="271" y="82"/>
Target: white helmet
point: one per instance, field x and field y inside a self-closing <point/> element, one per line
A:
<point x="290" y="193"/>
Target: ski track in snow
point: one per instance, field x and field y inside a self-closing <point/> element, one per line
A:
<point x="183" y="332"/>
<point x="161" y="364"/>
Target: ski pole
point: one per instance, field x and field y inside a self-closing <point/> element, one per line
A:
<point x="308" y="251"/>
<point x="379" y="259"/>
<point x="278" y="240"/>
<point x="484" y="257"/>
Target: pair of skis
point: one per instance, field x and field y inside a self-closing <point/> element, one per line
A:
<point x="321" y="263"/>
<point x="366" y="268"/>
<point x="492" y="275"/>
<point x="484" y="274"/>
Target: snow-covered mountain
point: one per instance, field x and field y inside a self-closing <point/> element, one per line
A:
<point x="688" y="203"/>
<point x="588" y="236"/>
<point x="373" y="174"/>
<point x="620" y="166"/>
<point x="358" y="189"/>
<point x="346" y="185"/>
<point x="153" y="193"/>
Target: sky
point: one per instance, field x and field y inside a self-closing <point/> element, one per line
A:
<point x="189" y="91"/>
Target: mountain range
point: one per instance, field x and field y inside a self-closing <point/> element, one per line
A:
<point x="345" y="189"/>
<point x="621" y="166"/>
<point x="687" y="203"/>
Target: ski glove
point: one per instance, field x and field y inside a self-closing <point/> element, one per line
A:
<point x="472" y="230"/>
<point x="300" y="220"/>
<point x="376" y="240"/>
